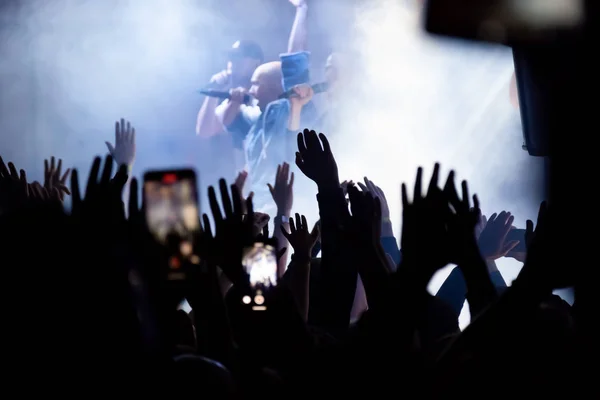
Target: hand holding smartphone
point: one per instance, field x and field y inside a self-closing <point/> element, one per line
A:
<point x="260" y="263"/>
<point x="172" y="216"/>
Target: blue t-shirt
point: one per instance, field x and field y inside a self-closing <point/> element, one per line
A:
<point x="264" y="138"/>
<point x="267" y="142"/>
<point x="240" y="127"/>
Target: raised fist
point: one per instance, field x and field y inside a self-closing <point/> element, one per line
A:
<point x="221" y="79"/>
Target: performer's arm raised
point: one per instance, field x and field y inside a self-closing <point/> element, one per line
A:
<point x="298" y="40"/>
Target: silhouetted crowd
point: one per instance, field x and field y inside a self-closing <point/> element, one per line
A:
<point x="88" y="306"/>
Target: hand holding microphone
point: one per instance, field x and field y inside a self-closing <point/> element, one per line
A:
<point x="239" y="95"/>
<point x="302" y="94"/>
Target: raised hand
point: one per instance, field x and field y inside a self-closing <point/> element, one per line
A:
<point x="492" y="239"/>
<point x="424" y="235"/>
<point x="102" y="198"/>
<point x="344" y="185"/>
<point x="299" y="237"/>
<point x="531" y="234"/>
<point x="480" y="226"/>
<point x="315" y="159"/>
<point x="386" y="225"/>
<point x="366" y="215"/>
<point x="53" y="178"/>
<point x="303" y="94"/>
<point x="462" y="222"/>
<point x="40" y="195"/>
<point x="221" y="79"/>
<point x="233" y="231"/>
<point x="123" y="152"/>
<point x="363" y="234"/>
<point x="14" y="189"/>
<point x="240" y="182"/>
<point x="283" y="191"/>
<point x="376" y="192"/>
<point x="298" y="3"/>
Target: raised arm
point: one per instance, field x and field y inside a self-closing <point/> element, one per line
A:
<point x="124" y="149"/>
<point x="207" y="123"/>
<point x="299" y="35"/>
<point x="295" y="69"/>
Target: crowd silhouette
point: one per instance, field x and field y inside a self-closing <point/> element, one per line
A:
<point x="87" y="306"/>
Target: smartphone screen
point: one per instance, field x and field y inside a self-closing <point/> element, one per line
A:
<point x="172" y="216"/>
<point x="260" y="263"/>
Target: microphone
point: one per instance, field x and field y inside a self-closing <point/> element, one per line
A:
<point x="317" y="88"/>
<point x="222" y="95"/>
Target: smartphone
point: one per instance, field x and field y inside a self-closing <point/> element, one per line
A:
<point x="517" y="234"/>
<point x="173" y="216"/>
<point x="504" y="21"/>
<point x="260" y="263"/>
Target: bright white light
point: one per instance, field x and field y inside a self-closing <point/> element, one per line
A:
<point x="418" y="100"/>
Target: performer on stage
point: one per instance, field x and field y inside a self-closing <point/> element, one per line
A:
<point x="269" y="138"/>
<point x="244" y="57"/>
